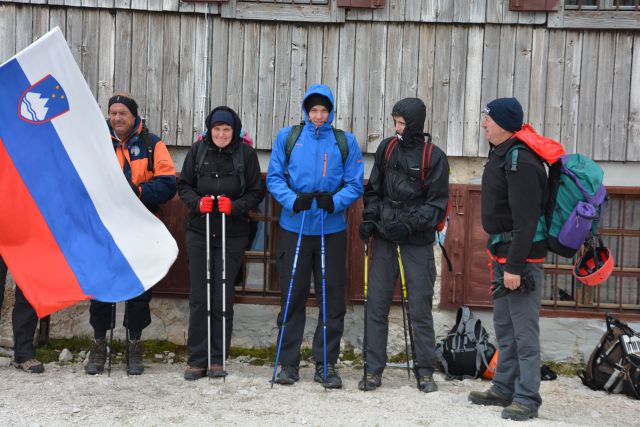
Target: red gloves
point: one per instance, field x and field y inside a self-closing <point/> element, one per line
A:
<point x="206" y="204"/>
<point x="224" y="205"/>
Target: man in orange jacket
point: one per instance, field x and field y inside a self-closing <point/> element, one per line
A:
<point x="147" y="166"/>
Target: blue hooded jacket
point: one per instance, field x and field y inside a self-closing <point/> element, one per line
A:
<point x="316" y="165"/>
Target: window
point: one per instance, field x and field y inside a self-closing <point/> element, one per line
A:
<point x="602" y="4"/>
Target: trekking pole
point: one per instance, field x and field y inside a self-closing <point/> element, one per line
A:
<point x="324" y="305"/>
<point x="286" y="306"/>
<point x="405" y="301"/>
<point x="208" y="250"/>
<point x="113" y="325"/>
<point x="224" y="299"/>
<point x="404" y="328"/>
<point x="364" y="340"/>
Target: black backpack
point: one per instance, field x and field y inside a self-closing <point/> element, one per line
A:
<point x="614" y="365"/>
<point x="466" y="351"/>
<point x="237" y="156"/>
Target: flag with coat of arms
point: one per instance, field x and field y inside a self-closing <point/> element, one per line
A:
<point x="71" y="229"/>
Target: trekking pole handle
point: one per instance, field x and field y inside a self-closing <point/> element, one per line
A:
<point x="402" y="279"/>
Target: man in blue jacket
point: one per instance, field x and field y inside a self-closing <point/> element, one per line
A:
<point x="322" y="175"/>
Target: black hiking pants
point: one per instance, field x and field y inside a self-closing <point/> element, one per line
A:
<point x="309" y="261"/>
<point x="23" y="319"/>
<point x="137" y="316"/>
<point x="420" y="274"/>
<point x="197" y="253"/>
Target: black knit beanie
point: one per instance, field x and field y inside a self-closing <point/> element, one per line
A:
<point x="317" y="99"/>
<point x="130" y="103"/>
<point x="506" y="112"/>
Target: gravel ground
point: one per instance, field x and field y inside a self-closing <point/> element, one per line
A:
<point x="64" y="395"/>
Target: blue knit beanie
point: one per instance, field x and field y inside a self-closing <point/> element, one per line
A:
<point x="506" y="112"/>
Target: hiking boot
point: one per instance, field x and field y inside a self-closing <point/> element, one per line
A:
<point x="519" y="412"/>
<point x="97" y="357"/>
<point x="488" y="398"/>
<point x="427" y="384"/>
<point x="216" y="371"/>
<point x="373" y="381"/>
<point x="134" y="361"/>
<point x="32" y="366"/>
<point x="333" y="379"/>
<point x="288" y="375"/>
<point x="193" y="373"/>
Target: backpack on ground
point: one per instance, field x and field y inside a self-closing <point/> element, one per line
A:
<point x="466" y="351"/>
<point x="614" y="365"/>
<point x="577" y="195"/>
<point x="426" y="164"/>
<point x="237" y="156"/>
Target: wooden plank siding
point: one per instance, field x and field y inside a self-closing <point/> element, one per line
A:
<point x="579" y="86"/>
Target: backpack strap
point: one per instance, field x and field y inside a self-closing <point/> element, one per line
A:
<point x="341" y="138"/>
<point x="145" y="138"/>
<point x="202" y="147"/>
<point x="238" y="164"/>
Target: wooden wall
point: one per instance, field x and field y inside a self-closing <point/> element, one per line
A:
<point x="580" y="86"/>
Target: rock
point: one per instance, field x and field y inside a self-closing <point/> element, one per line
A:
<point x="170" y="361"/>
<point x="4" y="362"/>
<point x="81" y="355"/>
<point x="158" y="356"/>
<point x="65" y="356"/>
<point x="171" y="355"/>
<point x="75" y="410"/>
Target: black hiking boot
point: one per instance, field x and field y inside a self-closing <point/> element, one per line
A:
<point x="193" y="373"/>
<point x="373" y="382"/>
<point x="333" y="379"/>
<point x="288" y="375"/>
<point x="31" y="366"/>
<point x="519" y="412"/>
<point x="427" y="384"/>
<point x="134" y="362"/>
<point x="488" y="398"/>
<point x="216" y="371"/>
<point x="97" y="357"/>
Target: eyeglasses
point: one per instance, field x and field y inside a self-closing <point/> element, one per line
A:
<point x="486" y="110"/>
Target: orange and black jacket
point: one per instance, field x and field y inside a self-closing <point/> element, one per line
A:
<point x="156" y="186"/>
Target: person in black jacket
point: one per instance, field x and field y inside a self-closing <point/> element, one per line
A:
<point x="210" y="182"/>
<point x="514" y="194"/>
<point x="404" y="201"/>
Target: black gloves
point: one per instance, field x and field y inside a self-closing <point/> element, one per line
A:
<point x="366" y="229"/>
<point x="303" y="202"/>
<point x="324" y="201"/>
<point x="397" y="231"/>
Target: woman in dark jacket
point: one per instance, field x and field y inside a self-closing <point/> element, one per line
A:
<point x="220" y="175"/>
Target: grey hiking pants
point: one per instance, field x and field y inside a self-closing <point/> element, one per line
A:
<point x="420" y="273"/>
<point x="516" y="320"/>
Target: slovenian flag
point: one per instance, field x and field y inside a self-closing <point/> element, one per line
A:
<point x="71" y="229"/>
